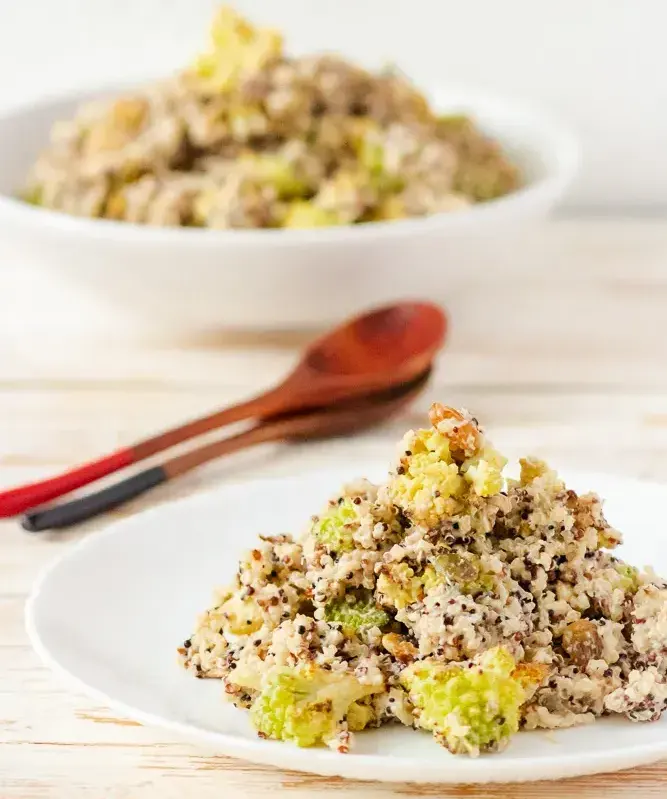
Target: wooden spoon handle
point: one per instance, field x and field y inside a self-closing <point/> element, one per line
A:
<point x="17" y="500"/>
<point x="314" y="424"/>
<point x="92" y="505"/>
<point x="80" y="510"/>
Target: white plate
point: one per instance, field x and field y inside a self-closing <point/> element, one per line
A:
<point x="111" y="612"/>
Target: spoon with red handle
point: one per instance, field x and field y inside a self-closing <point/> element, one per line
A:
<point x="374" y="351"/>
<point x="346" y="417"/>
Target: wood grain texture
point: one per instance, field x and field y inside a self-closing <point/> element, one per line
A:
<point x="568" y="361"/>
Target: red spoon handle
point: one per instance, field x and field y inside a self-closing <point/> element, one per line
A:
<point x="17" y="500"/>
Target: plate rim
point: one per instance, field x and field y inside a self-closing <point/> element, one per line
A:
<point x="326" y="763"/>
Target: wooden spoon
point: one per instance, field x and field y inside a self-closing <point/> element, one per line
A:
<point x="345" y="418"/>
<point x="374" y="351"/>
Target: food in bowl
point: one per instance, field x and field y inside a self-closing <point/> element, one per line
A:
<point x="447" y="599"/>
<point x="249" y="137"/>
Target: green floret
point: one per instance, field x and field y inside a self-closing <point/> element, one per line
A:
<point x="33" y="195"/>
<point x="355" y="617"/>
<point x="399" y="586"/>
<point x="336" y="527"/>
<point x="303" y="214"/>
<point x="236" y="48"/>
<point x="628" y="577"/>
<point x="275" y="171"/>
<point x="373" y="159"/>
<point x="305" y="705"/>
<point x="428" y="479"/>
<point x="469" y="710"/>
<point x="359" y="716"/>
<point x="241" y="616"/>
<point x="485" y="473"/>
<point x="454" y="124"/>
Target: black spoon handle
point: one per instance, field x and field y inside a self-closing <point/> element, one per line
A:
<point x="79" y="510"/>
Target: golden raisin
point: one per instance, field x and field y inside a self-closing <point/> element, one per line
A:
<point x="582" y="642"/>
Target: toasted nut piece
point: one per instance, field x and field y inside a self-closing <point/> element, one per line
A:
<point x="439" y="412"/>
<point x="401" y="649"/>
<point x="463" y="434"/>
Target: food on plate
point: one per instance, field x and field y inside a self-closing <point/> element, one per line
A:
<point x="250" y="137"/>
<point x="448" y="599"/>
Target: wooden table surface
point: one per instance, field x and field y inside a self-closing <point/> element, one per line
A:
<point x="566" y="360"/>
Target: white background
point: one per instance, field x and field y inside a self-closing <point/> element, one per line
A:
<point x="598" y="65"/>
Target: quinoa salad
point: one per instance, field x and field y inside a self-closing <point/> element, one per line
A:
<point x="250" y="137"/>
<point x="448" y="599"/>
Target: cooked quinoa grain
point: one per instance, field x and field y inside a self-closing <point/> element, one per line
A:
<point x="447" y="599"/>
<point x="250" y="137"/>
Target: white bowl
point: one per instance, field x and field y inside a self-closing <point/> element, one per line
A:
<point x="188" y="279"/>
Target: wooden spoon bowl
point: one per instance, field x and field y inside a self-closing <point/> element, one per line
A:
<point x="386" y="346"/>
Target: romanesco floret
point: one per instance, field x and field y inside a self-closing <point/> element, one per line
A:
<point x="398" y="586"/>
<point x="469" y="710"/>
<point x="427" y="479"/>
<point x="354" y="617"/>
<point x="246" y="122"/>
<point x="336" y="526"/>
<point x="369" y="148"/>
<point x="628" y="577"/>
<point x="306" y="704"/>
<point x="484" y="472"/>
<point x="388" y="208"/>
<point x="359" y="716"/>
<point x="303" y="214"/>
<point x="236" y="49"/>
<point x="535" y="469"/>
<point x="452" y="125"/>
<point x="372" y="156"/>
<point x="242" y="616"/>
<point x="33" y="195"/>
<point x="276" y="171"/>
